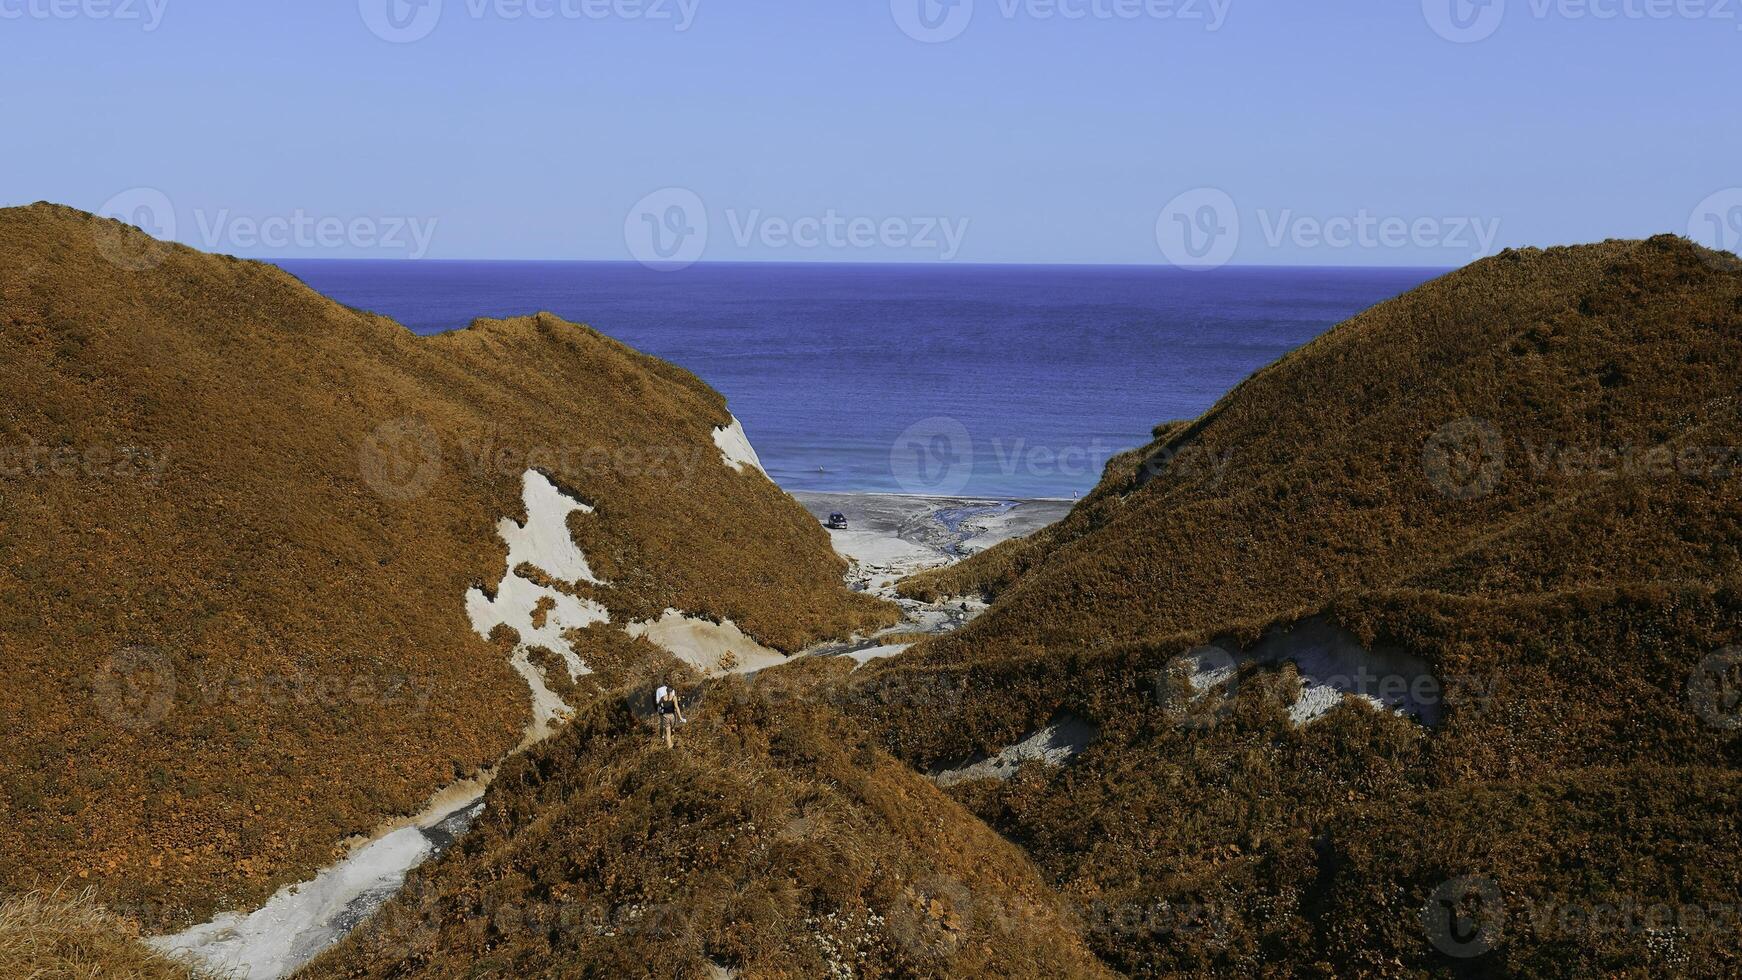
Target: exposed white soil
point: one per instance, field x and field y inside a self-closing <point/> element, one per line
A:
<point x="1053" y="745"/>
<point x="890" y="537"/>
<point x="301" y="921"/>
<point x="869" y="654"/>
<point x="705" y="645"/>
<point x="1332" y="665"/>
<point x="736" y="450"/>
<point x="545" y="544"/>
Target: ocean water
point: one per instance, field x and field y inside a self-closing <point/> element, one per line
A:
<point x="998" y="381"/>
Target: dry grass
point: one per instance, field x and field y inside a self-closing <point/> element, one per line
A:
<point x="217" y="672"/>
<point x="1624" y="345"/>
<point x="56" y="937"/>
<point x="1567" y="609"/>
<point x="776" y="842"/>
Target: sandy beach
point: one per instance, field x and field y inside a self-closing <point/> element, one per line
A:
<point x="891" y="536"/>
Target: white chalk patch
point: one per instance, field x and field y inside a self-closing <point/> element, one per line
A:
<point x="1207" y="667"/>
<point x="1053" y="745"/>
<point x="544" y="543"/>
<point x="1317" y="700"/>
<point x="877" y="653"/>
<point x="703" y="644"/>
<point x="301" y="921"/>
<point x="735" y="448"/>
<point x="1332" y="665"/>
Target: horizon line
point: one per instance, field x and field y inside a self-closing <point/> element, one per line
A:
<point x="1162" y="266"/>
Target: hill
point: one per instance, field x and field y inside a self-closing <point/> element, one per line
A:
<point x="1502" y="512"/>
<point x="772" y="843"/>
<point x="250" y="553"/>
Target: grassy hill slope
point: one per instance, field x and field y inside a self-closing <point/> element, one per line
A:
<point x="237" y="525"/>
<point x="1524" y="473"/>
<point x="772" y="842"/>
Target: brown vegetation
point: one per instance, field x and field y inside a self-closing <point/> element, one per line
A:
<point x="237" y="523"/>
<point x="773" y="842"/>
<point x="54" y="937"/>
<point x="1525" y="472"/>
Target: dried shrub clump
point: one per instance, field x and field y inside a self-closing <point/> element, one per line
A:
<point x="56" y="937"/>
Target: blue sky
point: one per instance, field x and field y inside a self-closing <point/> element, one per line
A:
<point x="824" y="131"/>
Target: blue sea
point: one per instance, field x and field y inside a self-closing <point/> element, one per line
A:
<point x="998" y="381"/>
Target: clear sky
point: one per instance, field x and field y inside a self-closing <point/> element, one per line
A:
<point x="853" y="130"/>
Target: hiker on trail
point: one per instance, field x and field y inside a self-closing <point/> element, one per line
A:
<point x="670" y="712"/>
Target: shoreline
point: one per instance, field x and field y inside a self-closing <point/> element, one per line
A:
<point x="966" y="497"/>
<point x="892" y="536"/>
<point x="912" y="532"/>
